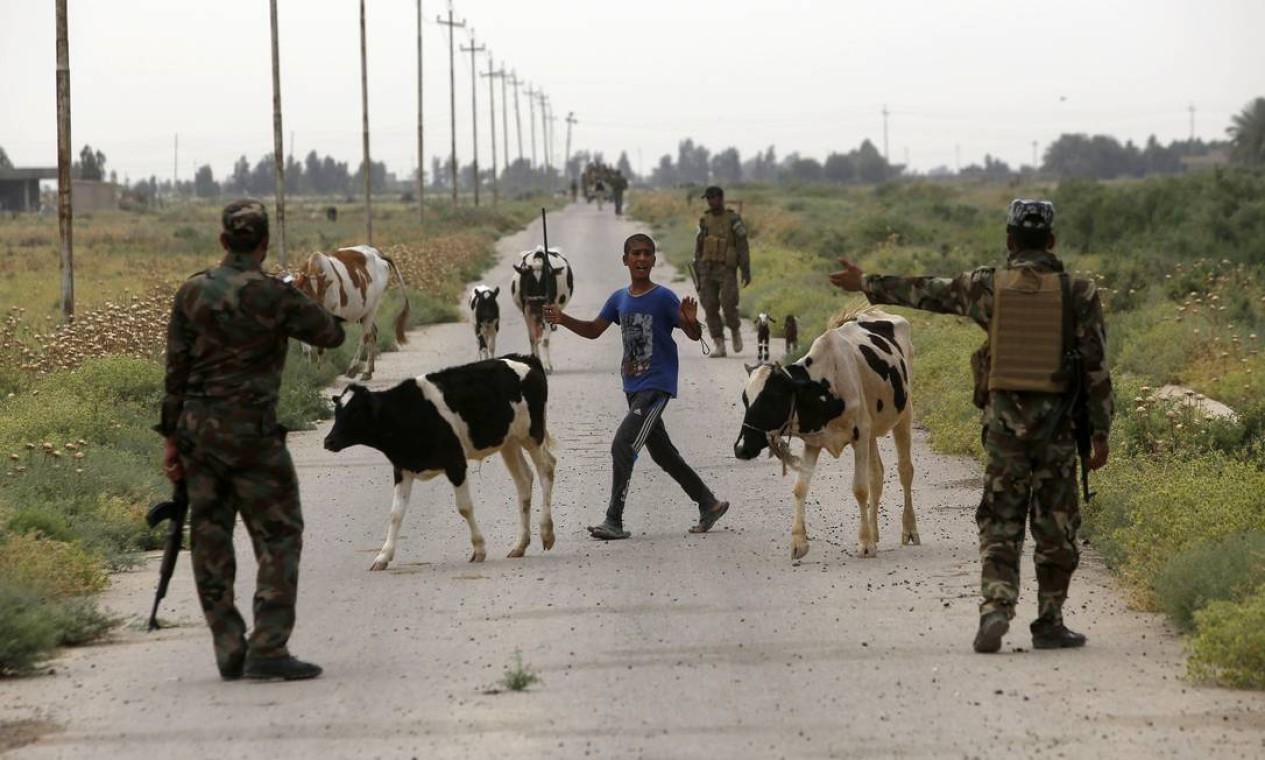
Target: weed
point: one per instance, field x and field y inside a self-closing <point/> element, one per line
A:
<point x="519" y="676"/>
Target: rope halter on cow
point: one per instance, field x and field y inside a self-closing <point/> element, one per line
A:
<point x="780" y="440"/>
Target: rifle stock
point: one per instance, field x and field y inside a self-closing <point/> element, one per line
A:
<point x="174" y="511"/>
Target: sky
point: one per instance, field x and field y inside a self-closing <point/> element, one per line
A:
<point x="164" y="86"/>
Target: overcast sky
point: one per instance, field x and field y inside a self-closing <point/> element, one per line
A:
<point x="960" y="79"/>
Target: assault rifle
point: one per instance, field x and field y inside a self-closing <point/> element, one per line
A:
<point x="1077" y="393"/>
<point x="174" y="511"/>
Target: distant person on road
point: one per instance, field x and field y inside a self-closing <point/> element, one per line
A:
<point x="647" y="313"/>
<point x="720" y="254"/>
<point x="599" y="192"/>
<point x="226" y="347"/>
<point x="575" y="190"/>
<point x="1022" y="388"/>
<point x="619" y="184"/>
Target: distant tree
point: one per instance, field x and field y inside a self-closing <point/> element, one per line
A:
<point x="693" y="163"/>
<point x="870" y="164"/>
<point x="800" y="169"/>
<point x="90" y="166"/>
<point x="5" y="163"/>
<point x="204" y="184"/>
<point x="239" y="182"/>
<point x="624" y="166"/>
<point x="839" y="168"/>
<point x="763" y="167"/>
<point x="293" y="176"/>
<point x="378" y="177"/>
<point x="665" y="174"/>
<point x="727" y="167"/>
<point x="1247" y="134"/>
<point x="261" y="177"/>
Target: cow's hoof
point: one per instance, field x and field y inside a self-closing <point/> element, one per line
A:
<point x="546" y="540"/>
<point x="516" y="553"/>
<point x="367" y="376"/>
<point x="478" y="555"/>
<point x="868" y="551"/>
<point x="379" y="565"/>
<point x="799" y="551"/>
<point x="910" y="538"/>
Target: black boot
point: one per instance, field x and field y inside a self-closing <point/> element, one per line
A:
<point x="1055" y="635"/>
<point x="992" y="626"/>
<point x="284" y="668"/>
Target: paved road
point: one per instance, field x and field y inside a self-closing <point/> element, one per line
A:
<point x="663" y="646"/>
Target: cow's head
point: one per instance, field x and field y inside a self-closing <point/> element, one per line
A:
<point x="783" y="400"/>
<point x="355" y="419"/>
<point x="481" y="295"/>
<point x="763" y="319"/>
<point x="537" y="276"/>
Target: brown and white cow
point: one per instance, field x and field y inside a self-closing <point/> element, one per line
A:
<point x="350" y="283"/>
<point x="539" y="280"/>
<point x="432" y="425"/>
<point x="486" y="315"/>
<point x="851" y="388"/>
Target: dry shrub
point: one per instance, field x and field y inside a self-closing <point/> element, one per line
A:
<point x="57" y="568"/>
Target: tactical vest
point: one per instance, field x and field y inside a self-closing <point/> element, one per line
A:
<point x="718" y="236"/>
<point x="1026" y="335"/>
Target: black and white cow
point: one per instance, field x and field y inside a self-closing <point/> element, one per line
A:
<point x="432" y="425"/>
<point x="790" y="333"/>
<point x="851" y="388"/>
<point x="486" y="315"/>
<point x="537" y="281"/>
<point x="762" y="322"/>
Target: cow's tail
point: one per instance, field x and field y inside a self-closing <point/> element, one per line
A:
<point x="848" y="314"/>
<point x="401" y="321"/>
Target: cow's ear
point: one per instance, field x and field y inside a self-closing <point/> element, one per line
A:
<point x="335" y="400"/>
<point x="749" y="368"/>
<point x="518" y="268"/>
<point x="496" y="291"/>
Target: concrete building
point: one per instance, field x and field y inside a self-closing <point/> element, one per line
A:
<point x="20" y="188"/>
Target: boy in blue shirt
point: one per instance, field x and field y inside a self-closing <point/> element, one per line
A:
<point x="646" y="312"/>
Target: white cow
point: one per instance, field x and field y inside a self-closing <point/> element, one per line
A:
<point x="350" y="283"/>
<point x="851" y="388"/>
<point x="539" y="280"/>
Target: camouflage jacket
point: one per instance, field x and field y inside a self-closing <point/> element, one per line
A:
<point x="737" y="241"/>
<point x="227" y="337"/>
<point x="1024" y="414"/>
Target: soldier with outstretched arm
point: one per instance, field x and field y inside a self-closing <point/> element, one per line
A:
<point x="1036" y="317"/>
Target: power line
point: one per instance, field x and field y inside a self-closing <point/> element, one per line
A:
<point x="474" y="107"/>
<point x="452" y="92"/>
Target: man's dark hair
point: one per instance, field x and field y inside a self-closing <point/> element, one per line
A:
<point x="639" y="237"/>
<point x="1029" y="239"/>
<point x="245" y="225"/>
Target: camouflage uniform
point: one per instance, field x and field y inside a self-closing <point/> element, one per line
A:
<point x="618" y="185"/>
<point x="1028" y="437"/>
<point x="226" y="348"/>
<point x="718" y="273"/>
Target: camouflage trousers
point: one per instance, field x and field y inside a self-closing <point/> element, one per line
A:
<point x="1031" y="482"/>
<point x="718" y="289"/>
<point x="236" y="463"/>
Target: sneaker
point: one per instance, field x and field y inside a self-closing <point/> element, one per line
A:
<point x="992" y="627"/>
<point x="1047" y="635"/>
<point x="284" y="668"/>
<point x="718" y="351"/>
<point x="737" y="340"/>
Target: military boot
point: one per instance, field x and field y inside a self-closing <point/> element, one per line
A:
<point x="737" y="340"/>
<point x="992" y="627"/>
<point x="718" y="351"/>
<point x="284" y="668"/>
<point x="1054" y="635"/>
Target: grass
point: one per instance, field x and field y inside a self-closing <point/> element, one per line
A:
<point x="518" y="677"/>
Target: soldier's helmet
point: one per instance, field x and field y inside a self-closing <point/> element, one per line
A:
<point x="1027" y="214"/>
<point x="713" y="191"/>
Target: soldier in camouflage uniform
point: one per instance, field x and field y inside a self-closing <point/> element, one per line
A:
<point x="720" y="253"/>
<point x="226" y="348"/>
<point x="1028" y="433"/>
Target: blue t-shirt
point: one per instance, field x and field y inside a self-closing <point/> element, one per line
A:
<point x="646" y="321"/>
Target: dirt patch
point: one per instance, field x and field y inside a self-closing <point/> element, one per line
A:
<point x="19" y="733"/>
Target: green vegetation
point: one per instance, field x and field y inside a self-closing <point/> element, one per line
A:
<point x="519" y="676"/>
<point x="1179" y="261"/>
<point x="77" y="404"/>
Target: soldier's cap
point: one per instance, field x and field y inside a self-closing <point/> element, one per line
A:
<point x="245" y="216"/>
<point x="711" y="191"/>
<point x="1027" y="214"/>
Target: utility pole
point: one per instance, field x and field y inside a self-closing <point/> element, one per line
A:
<point x="885" y="159"/>
<point x="531" y="110"/>
<point x="452" y="93"/>
<point x="278" y="169"/>
<point x="491" y="75"/>
<point x="505" y="122"/>
<point x="518" y="120"/>
<point x="546" y="137"/>
<point x="65" y="213"/>
<point x="570" y="122"/>
<point x="1035" y="166"/>
<point x="421" y="155"/>
<point x="1191" y="108"/>
<point x="175" y="164"/>
<point x="364" y="110"/>
<point x="474" y="107"/>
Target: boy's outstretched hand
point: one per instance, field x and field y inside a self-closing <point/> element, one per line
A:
<point x="849" y="278"/>
<point x="687" y="315"/>
<point x="552" y="313"/>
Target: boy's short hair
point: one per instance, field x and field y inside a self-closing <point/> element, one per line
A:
<point x="640" y="237"/>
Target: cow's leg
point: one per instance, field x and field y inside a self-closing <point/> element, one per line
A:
<point x="799" y="532"/>
<point x="866" y="541"/>
<point x="533" y="333"/>
<point x="371" y="350"/>
<point x="479" y="332"/>
<point x="876" y="487"/>
<point x="512" y="453"/>
<point x="399" y="503"/>
<point x="354" y="365"/>
<point x="492" y="330"/>
<point x="546" y="463"/>
<point x="544" y="347"/>
<point x="905" y="466"/>
<point x="465" y="506"/>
